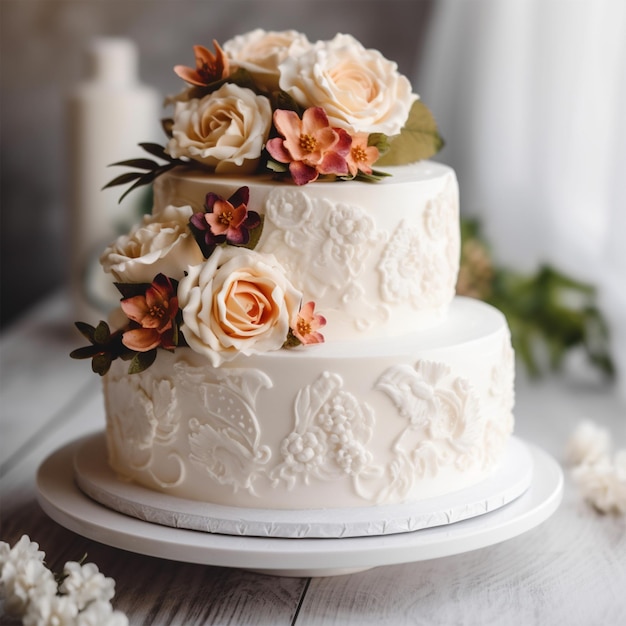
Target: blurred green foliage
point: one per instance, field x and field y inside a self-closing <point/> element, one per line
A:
<point x="549" y="313"/>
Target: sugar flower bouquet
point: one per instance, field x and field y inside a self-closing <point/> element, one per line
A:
<point x="264" y="103"/>
<point x="275" y="102"/>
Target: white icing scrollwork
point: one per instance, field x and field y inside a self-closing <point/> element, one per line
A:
<point x="502" y="392"/>
<point x="323" y="246"/>
<point x="445" y="425"/>
<point x="224" y="440"/>
<point x="143" y="414"/>
<point x="420" y="262"/>
<point x="329" y="440"/>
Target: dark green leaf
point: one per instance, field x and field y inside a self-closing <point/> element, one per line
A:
<point x="292" y="341"/>
<point x="274" y="166"/>
<point x="374" y="177"/>
<point x="87" y="330"/>
<point x="146" y="179"/>
<point x="283" y="100"/>
<point x="156" y="150"/>
<point x="140" y="164"/>
<point x="84" y="353"/>
<point x="102" y="334"/>
<point x="123" y="179"/>
<point x="142" y="361"/>
<point x="255" y="234"/>
<point x="380" y="141"/>
<point x="101" y="363"/>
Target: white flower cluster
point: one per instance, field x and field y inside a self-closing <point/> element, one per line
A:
<point x="600" y="476"/>
<point x="31" y="591"/>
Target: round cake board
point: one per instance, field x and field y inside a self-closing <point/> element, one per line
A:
<point x="64" y="502"/>
<point x="97" y="480"/>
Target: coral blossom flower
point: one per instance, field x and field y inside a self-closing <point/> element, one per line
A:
<point x="154" y="312"/>
<point x="209" y="67"/>
<point x="225" y="220"/>
<point x="306" y="324"/>
<point x="361" y="156"/>
<point x="310" y="145"/>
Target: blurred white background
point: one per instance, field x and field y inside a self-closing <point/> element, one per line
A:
<point x="529" y="95"/>
<point x="532" y="96"/>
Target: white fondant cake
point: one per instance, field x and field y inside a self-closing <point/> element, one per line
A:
<point x="288" y="335"/>
<point x="380" y="260"/>
<point x="334" y="425"/>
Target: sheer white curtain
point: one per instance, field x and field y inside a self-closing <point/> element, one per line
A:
<point x="531" y="96"/>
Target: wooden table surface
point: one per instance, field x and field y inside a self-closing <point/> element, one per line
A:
<point x="570" y="570"/>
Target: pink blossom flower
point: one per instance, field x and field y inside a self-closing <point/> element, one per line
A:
<point x="209" y="67"/>
<point x="310" y="145"/>
<point x="306" y="324"/>
<point x="155" y="314"/>
<point x="361" y="157"/>
<point x="225" y="221"/>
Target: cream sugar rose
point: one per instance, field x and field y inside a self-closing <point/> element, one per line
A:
<point x="288" y="307"/>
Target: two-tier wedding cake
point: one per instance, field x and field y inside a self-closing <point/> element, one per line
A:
<point x="288" y="336"/>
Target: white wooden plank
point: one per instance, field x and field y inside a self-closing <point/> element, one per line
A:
<point x="38" y="379"/>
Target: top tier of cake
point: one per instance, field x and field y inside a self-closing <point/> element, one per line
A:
<point x="294" y="204"/>
<point x="379" y="260"/>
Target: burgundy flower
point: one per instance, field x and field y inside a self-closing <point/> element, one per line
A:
<point x="224" y="221"/>
<point x="154" y="314"/>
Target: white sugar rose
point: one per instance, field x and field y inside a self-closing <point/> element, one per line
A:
<point x="237" y="301"/>
<point x="225" y="130"/>
<point x="359" y="89"/>
<point x="161" y="243"/>
<point x="261" y="52"/>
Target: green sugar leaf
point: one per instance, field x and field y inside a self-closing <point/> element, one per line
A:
<point x="419" y="139"/>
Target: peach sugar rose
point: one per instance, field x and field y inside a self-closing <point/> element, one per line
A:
<point x="359" y="89"/>
<point x="236" y="301"/>
<point x="261" y="52"/>
<point x="225" y="130"/>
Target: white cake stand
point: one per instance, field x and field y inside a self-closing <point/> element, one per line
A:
<point x="63" y="501"/>
<point x="96" y="479"/>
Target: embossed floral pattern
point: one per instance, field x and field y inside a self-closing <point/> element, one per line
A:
<point x="445" y="424"/>
<point x="225" y="440"/>
<point x="331" y="430"/>
<point x="304" y="452"/>
<point x="420" y="262"/>
<point x="339" y="237"/>
<point x="143" y="415"/>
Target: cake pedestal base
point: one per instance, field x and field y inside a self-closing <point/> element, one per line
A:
<point x="64" y="502"/>
<point x="97" y="480"/>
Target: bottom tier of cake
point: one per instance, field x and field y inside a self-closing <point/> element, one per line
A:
<point x="327" y="426"/>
